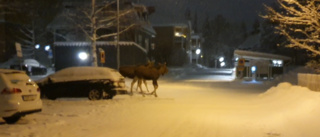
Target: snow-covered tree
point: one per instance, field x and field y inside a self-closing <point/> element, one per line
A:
<point x="298" y="21"/>
<point x="99" y="20"/>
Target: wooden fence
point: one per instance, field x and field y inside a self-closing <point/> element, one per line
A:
<point x="312" y="81"/>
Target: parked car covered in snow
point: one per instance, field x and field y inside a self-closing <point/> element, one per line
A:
<point x="19" y="95"/>
<point x="93" y="82"/>
<point x="31" y="66"/>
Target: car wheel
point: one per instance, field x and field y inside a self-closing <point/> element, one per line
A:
<point x="11" y="120"/>
<point x="95" y="94"/>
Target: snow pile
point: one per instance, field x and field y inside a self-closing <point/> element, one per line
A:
<point x="295" y="109"/>
<point x="292" y="95"/>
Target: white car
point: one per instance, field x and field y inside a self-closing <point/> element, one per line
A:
<point x="19" y="95"/>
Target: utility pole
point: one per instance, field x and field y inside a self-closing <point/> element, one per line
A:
<point x="118" y="36"/>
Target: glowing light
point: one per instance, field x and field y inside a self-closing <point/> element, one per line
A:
<point x="277" y="62"/>
<point x="47" y="48"/>
<point x="83" y="55"/>
<point x="37" y="46"/>
<point x="274" y="61"/>
<point x="253" y="68"/>
<point x="177" y="34"/>
<point x="222" y="64"/>
<point x="198" y="51"/>
<point x="221" y="59"/>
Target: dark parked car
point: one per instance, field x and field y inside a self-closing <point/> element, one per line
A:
<point x="93" y="82"/>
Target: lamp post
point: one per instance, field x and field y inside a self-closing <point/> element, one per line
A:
<point x="198" y="51"/>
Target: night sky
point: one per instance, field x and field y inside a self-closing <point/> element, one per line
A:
<point x="173" y="11"/>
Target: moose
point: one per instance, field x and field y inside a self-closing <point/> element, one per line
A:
<point x="151" y="73"/>
<point x="143" y="73"/>
<point x="129" y="72"/>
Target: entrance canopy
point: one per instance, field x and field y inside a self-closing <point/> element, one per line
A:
<point x="101" y="43"/>
<point x="259" y="55"/>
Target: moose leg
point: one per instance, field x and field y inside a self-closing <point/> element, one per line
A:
<point x="145" y="83"/>
<point x="132" y="83"/>
<point x="155" y="85"/>
<point x="139" y="84"/>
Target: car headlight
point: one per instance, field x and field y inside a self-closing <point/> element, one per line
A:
<point x="122" y="84"/>
<point x="116" y="84"/>
<point x="119" y="84"/>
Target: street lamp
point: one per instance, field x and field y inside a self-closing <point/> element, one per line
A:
<point x="221" y="59"/>
<point x="47" y="48"/>
<point x="198" y="51"/>
<point x="37" y="46"/>
<point x="222" y="63"/>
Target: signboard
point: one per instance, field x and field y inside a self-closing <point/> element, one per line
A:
<point x="241" y="64"/>
<point x="18" y="48"/>
<point x="102" y="56"/>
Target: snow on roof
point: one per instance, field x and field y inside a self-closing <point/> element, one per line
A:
<point x="171" y="25"/>
<point x="259" y="55"/>
<point x="99" y="43"/>
<point x="85" y="73"/>
<point x="16" y="61"/>
<point x="31" y="62"/>
<point x="251" y="42"/>
<point x="148" y="28"/>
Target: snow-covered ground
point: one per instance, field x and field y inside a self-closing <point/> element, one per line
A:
<point x="187" y="106"/>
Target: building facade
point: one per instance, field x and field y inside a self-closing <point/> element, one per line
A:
<point x="173" y="44"/>
<point x="258" y="65"/>
<point x="135" y="44"/>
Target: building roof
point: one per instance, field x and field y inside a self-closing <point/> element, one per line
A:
<point x="171" y="25"/>
<point x="148" y="29"/>
<point x="98" y="43"/>
<point x="252" y="41"/>
<point x="259" y="55"/>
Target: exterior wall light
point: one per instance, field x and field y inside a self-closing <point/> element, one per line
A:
<point x="83" y="56"/>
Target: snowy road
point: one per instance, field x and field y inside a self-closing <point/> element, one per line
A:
<point x="184" y="108"/>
